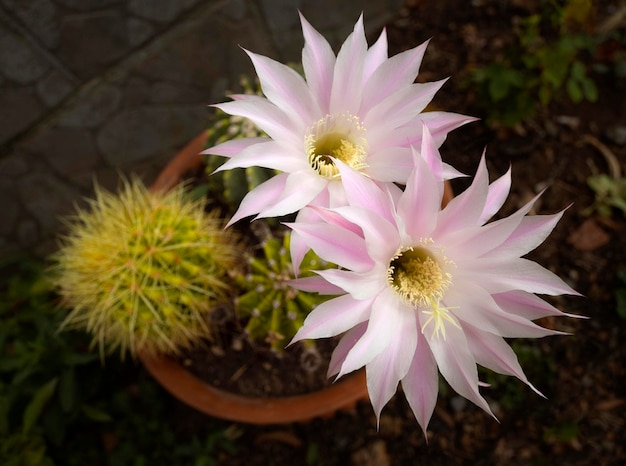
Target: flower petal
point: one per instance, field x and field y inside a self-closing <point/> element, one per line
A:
<point x="472" y="304"/>
<point x="346" y="92"/>
<point x="498" y="192"/>
<point x="285" y="88"/>
<point x="395" y="73"/>
<point x="318" y="61"/>
<point x="315" y="284"/>
<point x="376" y="56"/>
<point x="381" y="237"/>
<point x="335" y="244"/>
<point x="361" y="285"/>
<point x="233" y="146"/>
<point x="421" y="384"/>
<point x="267" y="116"/>
<point x="527" y="305"/>
<point x="333" y="317"/>
<point x="268" y="154"/>
<point x="343" y="348"/>
<point x="399" y="108"/>
<point x="456" y="363"/>
<point x="386" y="370"/>
<point x="492" y="352"/>
<point x="301" y="188"/>
<point x="420" y="203"/>
<point x="264" y="194"/>
<point x="384" y="325"/>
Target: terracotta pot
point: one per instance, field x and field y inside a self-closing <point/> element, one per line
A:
<point x="198" y="394"/>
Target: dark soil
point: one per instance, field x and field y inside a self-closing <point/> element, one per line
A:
<point x="583" y="420"/>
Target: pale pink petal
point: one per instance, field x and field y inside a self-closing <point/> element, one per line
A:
<point x="395" y="73"/>
<point x="320" y="214"/>
<point x="361" y="285"/>
<point x="343" y="348"/>
<point x="268" y="154"/>
<point x="315" y="284"/>
<point x="318" y="61"/>
<point x="376" y="56"/>
<point x="363" y="192"/>
<point x="498" y="192"/>
<point x="346" y="92"/>
<point x="466" y="208"/>
<point x="390" y="165"/>
<point x="438" y="123"/>
<point x="285" y="88"/>
<point x="335" y="244"/>
<point x="384" y="325"/>
<point x="492" y="352"/>
<point x="386" y="370"/>
<point x="421" y="384"/>
<point x="381" y="237"/>
<point x="528" y="305"/>
<point x="266" y="116"/>
<point x="264" y="194"/>
<point x="430" y="154"/>
<point x="498" y="276"/>
<point x="233" y="146"/>
<point x="420" y="203"/>
<point x="532" y="231"/>
<point x="472" y="304"/>
<point x="456" y="363"/>
<point x="300" y="189"/>
<point x="399" y="108"/>
<point x="334" y="317"/>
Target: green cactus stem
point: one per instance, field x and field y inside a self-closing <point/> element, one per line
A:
<point x="141" y="271"/>
<point x="275" y="311"/>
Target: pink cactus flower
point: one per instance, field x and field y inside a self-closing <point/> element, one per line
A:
<point x="359" y="107"/>
<point x="424" y="289"/>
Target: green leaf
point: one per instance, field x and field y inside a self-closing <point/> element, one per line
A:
<point x="96" y="414"/>
<point x="36" y="405"/>
<point x="574" y="91"/>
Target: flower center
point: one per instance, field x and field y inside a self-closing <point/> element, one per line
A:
<point x="336" y="137"/>
<point x="416" y="274"/>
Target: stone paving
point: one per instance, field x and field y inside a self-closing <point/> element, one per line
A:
<point x="91" y="89"/>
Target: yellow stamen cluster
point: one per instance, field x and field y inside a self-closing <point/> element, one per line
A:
<point x="416" y="274"/>
<point x="336" y="137"/>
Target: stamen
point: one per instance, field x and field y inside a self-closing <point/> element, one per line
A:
<point x="438" y="315"/>
<point x="336" y="137"/>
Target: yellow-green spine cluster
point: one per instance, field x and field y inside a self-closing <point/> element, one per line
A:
<point x="142" y="270"/>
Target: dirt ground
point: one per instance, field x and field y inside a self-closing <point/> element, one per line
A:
<point x="583" y="375"/>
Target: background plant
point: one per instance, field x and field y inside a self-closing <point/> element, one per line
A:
<point x="547" y="60"/>
<point x="610" y="194"/>
<point x="273" y="309"/>
<point x="142" y="270"/>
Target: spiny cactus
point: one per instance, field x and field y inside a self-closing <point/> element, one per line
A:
<point x="275" y="310"/>
<point x="232" y="185"/>
<point x="141" y="271"/>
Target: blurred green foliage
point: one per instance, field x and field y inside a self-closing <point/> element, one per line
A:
<point x="60" y="406"/>
<point x="548" y="59"/>
<point x="610" y="194"/>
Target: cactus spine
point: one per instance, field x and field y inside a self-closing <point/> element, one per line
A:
<point x="141" y="271"/>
